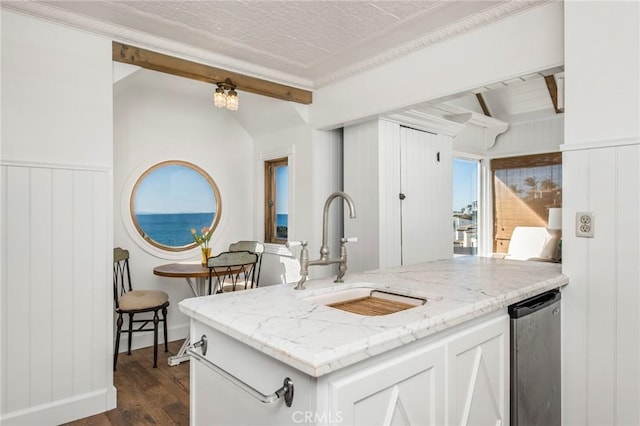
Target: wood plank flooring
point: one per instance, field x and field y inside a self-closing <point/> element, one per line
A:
<point x="147" y="395"/>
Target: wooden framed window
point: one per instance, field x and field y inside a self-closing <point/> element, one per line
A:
<point x="276" y="210"/>
<point x="524" y="189"/>
<point x="171" y="198"/>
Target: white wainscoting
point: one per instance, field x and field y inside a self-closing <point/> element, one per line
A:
<point x="56" y="293"/>
<point x="601" y="319"/>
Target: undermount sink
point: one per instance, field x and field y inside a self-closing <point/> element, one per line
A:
<point x="367" y="301"/>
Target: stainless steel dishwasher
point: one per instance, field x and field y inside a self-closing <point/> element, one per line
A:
<point x="535" y="361"/>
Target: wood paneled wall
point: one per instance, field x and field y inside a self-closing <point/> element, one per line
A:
<point x="601" y="319"/>
<point x="56" y="294"/>
<point x="527" y="138"/>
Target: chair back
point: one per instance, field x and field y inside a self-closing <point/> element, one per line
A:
<point x="528" y="242"/>
<point x="121" y="274"/>
<point x="253" y="247"/>
<point x="233" y="265"/>
<point x="290" y="270"/>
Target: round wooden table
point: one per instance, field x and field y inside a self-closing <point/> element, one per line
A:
<point x="188" y="271"/>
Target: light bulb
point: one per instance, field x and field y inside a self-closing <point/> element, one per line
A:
<point x="219" y="98"/>
<point x="232" y="100"/>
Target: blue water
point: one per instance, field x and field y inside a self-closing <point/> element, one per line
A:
<point x="173" y="229"/>
<point x="282" y="226"/>
<point x="282" y="219"/>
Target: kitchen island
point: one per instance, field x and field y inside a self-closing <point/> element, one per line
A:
<point x="442" y="362"/>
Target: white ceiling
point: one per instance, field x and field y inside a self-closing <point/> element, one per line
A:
<point x="302" y="43"/>
<point x="306" y="44"/>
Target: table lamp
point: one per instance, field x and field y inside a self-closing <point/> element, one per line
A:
<point x="554" y="226"/>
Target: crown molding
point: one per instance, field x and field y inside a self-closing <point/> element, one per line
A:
<point x="160" y="45"/>
<point x="463" y="26"/>
<point x="127" y="36"/>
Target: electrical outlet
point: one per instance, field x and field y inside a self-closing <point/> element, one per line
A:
<point x="585" y="224"/>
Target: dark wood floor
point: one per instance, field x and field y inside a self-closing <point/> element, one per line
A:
<point x="147" y="395"/>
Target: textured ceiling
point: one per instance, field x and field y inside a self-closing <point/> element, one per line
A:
<point x="306" y="44"/>
<point x="301" y="43"/>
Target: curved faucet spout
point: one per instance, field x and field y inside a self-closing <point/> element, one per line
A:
<point x="324" y="250"/>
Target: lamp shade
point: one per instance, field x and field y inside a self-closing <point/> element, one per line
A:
<point x="232" y="100"/>
<point x="219" y="98"/>
<point x="555" y="219"/>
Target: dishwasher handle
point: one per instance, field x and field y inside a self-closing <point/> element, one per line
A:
<point x="534" y="304"/>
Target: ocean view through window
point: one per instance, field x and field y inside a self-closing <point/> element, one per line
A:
<point x="276" y="178"/>
<point x="465" y="206"/>
<point x="169" y="199"/>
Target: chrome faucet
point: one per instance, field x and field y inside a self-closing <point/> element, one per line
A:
<point x="324" y="249"/>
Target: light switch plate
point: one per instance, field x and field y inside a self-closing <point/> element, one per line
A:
<point x="585" y="224"/>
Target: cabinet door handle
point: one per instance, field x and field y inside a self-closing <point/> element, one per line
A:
<point x="402" y="196"/>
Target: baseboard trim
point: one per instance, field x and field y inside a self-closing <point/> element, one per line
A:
<point x="64" y="410"/>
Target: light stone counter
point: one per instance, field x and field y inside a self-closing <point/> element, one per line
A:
<point x="317" y="340"/>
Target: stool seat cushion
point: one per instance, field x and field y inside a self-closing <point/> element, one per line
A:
<point x="240" y="285"/>
<point x="142" y="299"/>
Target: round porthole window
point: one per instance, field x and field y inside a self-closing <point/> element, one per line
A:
<point x="171" y="198"/>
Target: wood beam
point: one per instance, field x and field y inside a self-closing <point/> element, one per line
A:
<point x="183" y="68"/>
<point x="553" y="91"/>
<point x="483" y="105"/>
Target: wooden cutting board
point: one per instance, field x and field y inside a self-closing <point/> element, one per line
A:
<point x="371" y="306"/>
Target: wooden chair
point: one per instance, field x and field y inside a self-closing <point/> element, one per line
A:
<point x="231" y="269"/>
<point x="253" y="247"/>
<point x="132" y="302"/>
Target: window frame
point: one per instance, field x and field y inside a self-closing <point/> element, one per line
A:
<point x="516" y="162"/>
<point x="270" y="200"/>
<point x="136" y="231"/>
<point x="480" y="199"/>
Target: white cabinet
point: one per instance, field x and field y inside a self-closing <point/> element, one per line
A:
<point x="478" y="374"/>
<point x="383" y="160"/>
<point x="404" y="390"/>
<point x="460" y="376"/>
<point x="459" y="379"/>
<point x="214" y="400"/>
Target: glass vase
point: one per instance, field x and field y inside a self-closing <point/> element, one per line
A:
<point x="206" y="253"/>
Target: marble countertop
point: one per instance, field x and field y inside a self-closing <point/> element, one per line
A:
<point x="316" y="339"/>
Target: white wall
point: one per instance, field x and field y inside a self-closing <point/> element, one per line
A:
<point x="532" y="137"/>
<point x="601" y="159"/>
<point x="158" y="117"/>
<point x="315" y="171"/>
<point x="601" y="325"/>
<point x="362" y="151"/>
<point x="327" y="170"/>
<point x="528" y="42"/>
<point x="57" y="221"/>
